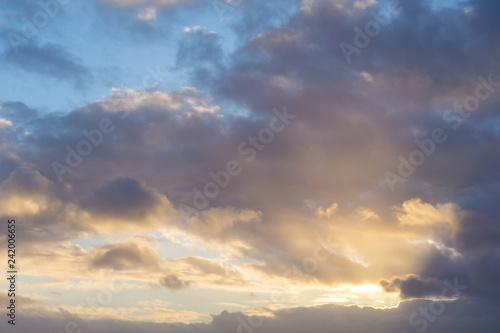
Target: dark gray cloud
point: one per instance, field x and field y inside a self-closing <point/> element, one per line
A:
<point x="17" y="111"/>
<point x="123" y="197"/>
<point x="433" y="317"/>
<point x="478" y="233"/>
<point x="414" y="286"/>
<point x="51" y="60"/>
<point x="173" y="282"/>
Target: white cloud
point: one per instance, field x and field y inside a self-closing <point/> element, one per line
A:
<point x="5" y="123"/>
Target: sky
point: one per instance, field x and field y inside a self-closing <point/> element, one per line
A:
<point x="251" y="166"/>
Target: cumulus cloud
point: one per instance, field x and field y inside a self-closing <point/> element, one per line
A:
<point x="414" y="286"/>
<point x="128" y="255"/>
<point x="25" y="192"/>
<point x="416" y="213"/>
<point x="127" y="199"/>
<point x="173" y="282"/>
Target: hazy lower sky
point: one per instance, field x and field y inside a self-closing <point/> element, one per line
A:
<point x="251" y="166"/>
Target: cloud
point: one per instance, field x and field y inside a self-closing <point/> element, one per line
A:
<point x="199" y="47"/>
<point x="126" y="255"/>
<point x="212" y="267"/>
<point x="103" y="195"/>
<point x="456" y="317"/>
<point x="202" y="273"/>
<point x="353" y="123"/>
<point x="125" y="199"/>
<point x="414" y="286"/>
<point x="172" y="282"/>
<point x="477" y="233"/>
<point x="24" y="192"/>
<point x="415" y="213"/>
<point x="186" y="100"/>
<point x="147" y="14"/>
<point x="51" y="60"/>
<point x="320" y="212"/>
<point x="218" y="221"/>
<point x="5" y="123"/>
